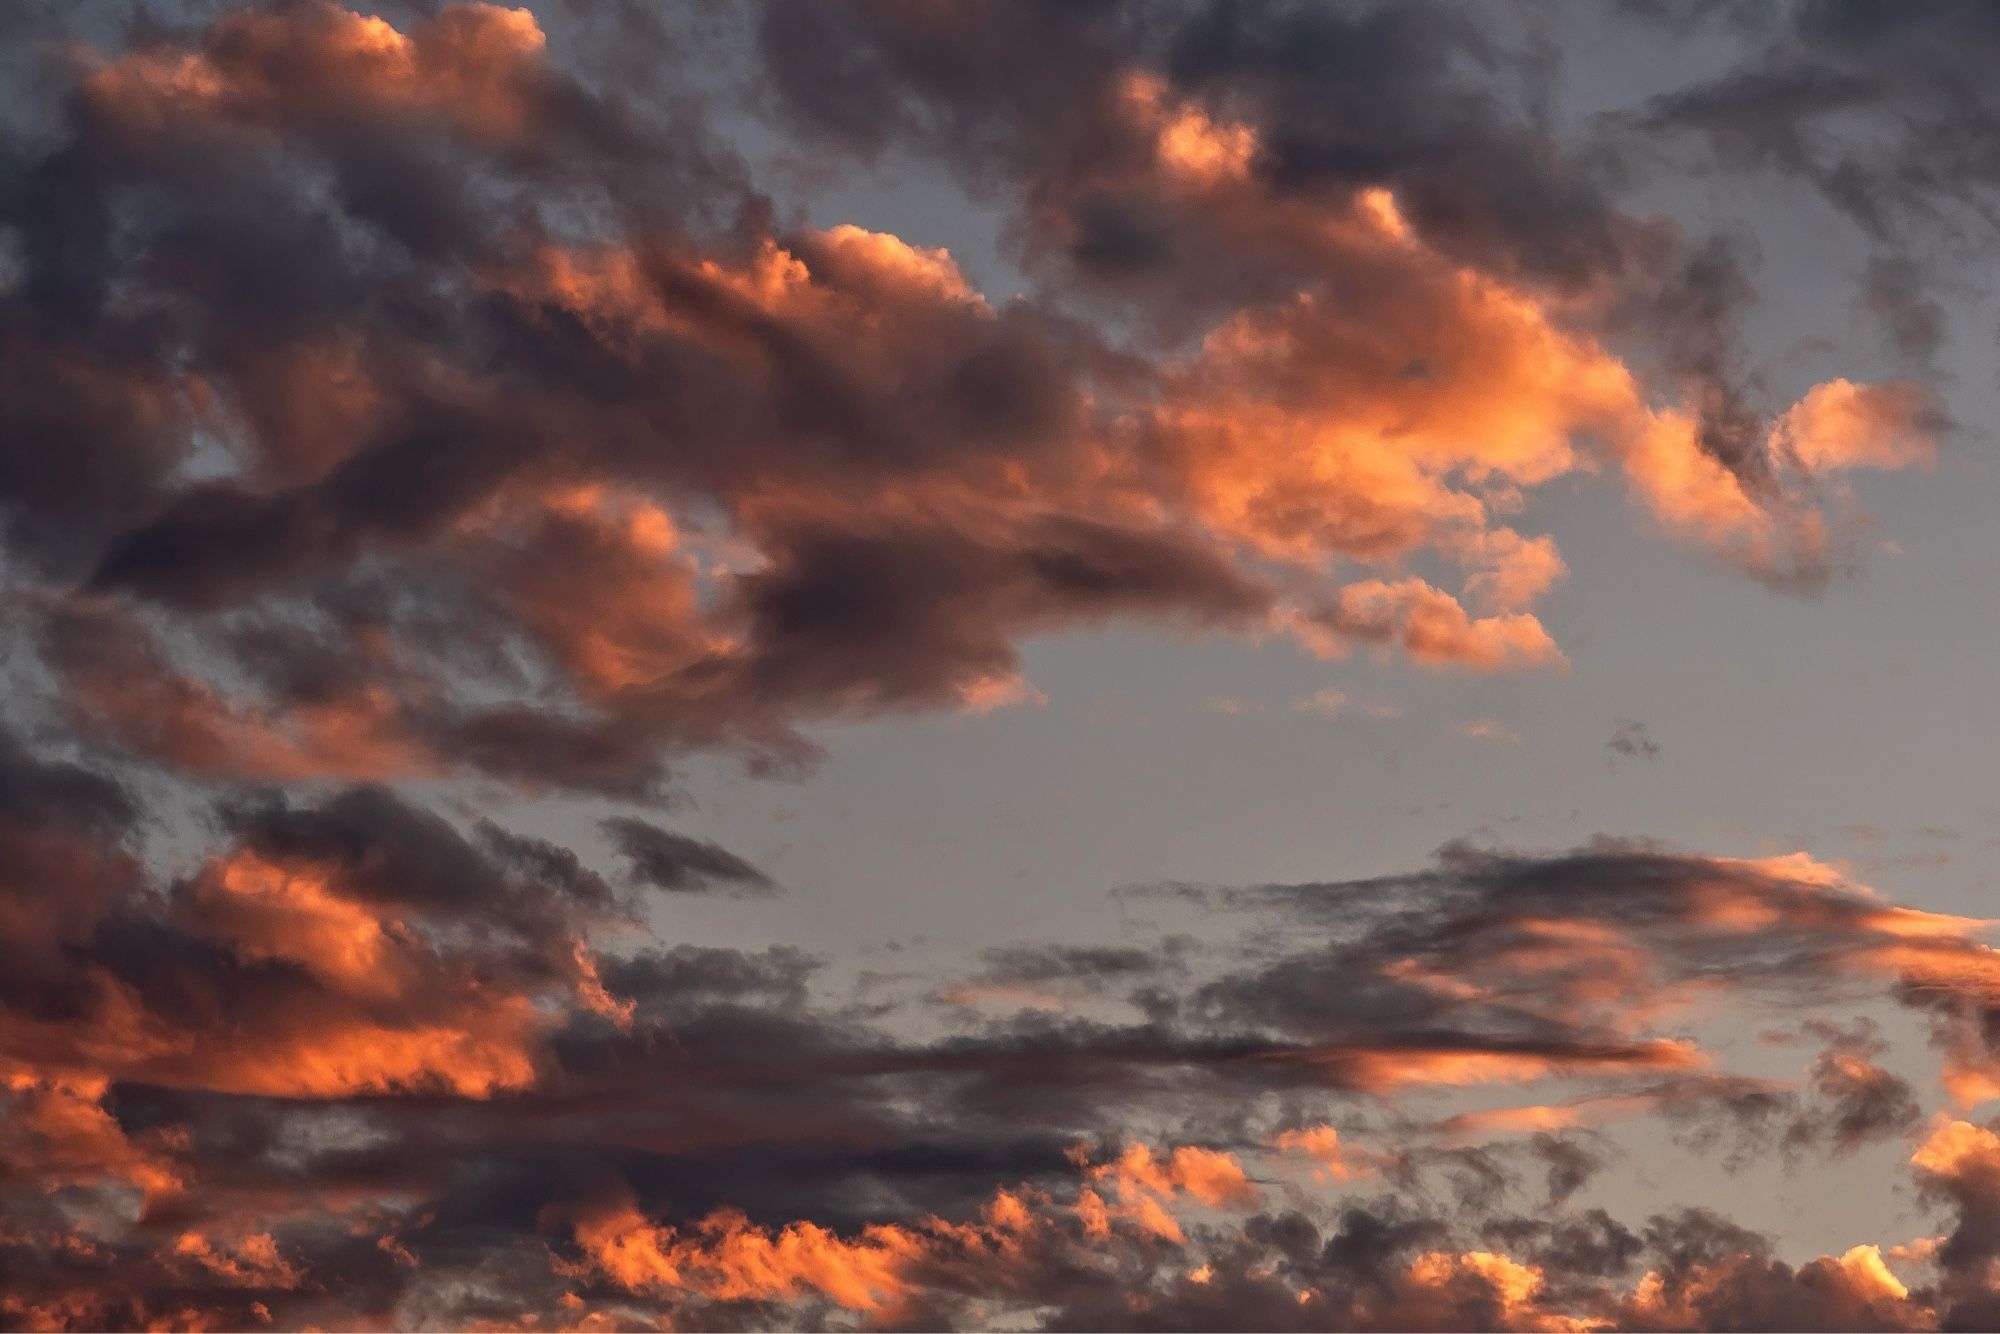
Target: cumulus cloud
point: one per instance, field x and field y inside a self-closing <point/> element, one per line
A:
<point x="362" y="1061"/>
<point x="549" y="499"/>
<point x="418" y="430"/>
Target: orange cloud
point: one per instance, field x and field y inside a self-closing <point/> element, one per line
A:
<point x="1431" y="626"/>
<point x="1253" y="452"/>
<point x="56" y="1130"/>
<point x="1302" y="434"/>
<point x="1141" y="1187"/>
<point x="474" y="65"/>
<point x="118" y="684"/>
<point x="1512" y="571"/>
<point x="1840" y="424"/>
<point x="354" y="1000"/>
<point x="1541" y="1118"/>
<point x="1854" y="1290"/>
<point x="726" y="1258"/>
<point x="1192" y="147"/>
<point x="1623" y="970"/>
<point x="1955" y="1148"/>
<point x="1212" y="1177"/>
<point x="1332" y="1160"/>
<point x="252" y="1262"/>
<point x="1517" y="1120"/>
<point x="474" y="1058"/>
<point x="1779" y="526"/>
<point x="1385" y="1071"/>
<point x="265" y="911"/>
<point x="600" y="579"/>
<point x="1512" y="1287"/>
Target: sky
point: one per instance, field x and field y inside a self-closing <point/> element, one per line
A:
<point x="998" y="664"/>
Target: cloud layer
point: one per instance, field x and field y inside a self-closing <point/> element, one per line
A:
<point x="364" y="1067"/>
<point x="403" y="402"/>
<point x="408" y="415"/>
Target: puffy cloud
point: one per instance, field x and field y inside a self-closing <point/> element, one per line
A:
<point x="253" y="1262"/>
<point x="1959" y="1162"/>
<point x="359" y="1032"/>
<point x="496" y="395"/>
<point x="1431" y="626"/>
<point x="1842" y="425"/>
<point x="1854" y="1290"/>
<point x="729" y="1260"/>
<point x="1331" y="1159"/>
<point x="57" y="1132"/>
<point x="1859" y="1100"/>
<point x="476" y="64"/>
<point x="416" y="402"/>
<point x="692" y="1135"/>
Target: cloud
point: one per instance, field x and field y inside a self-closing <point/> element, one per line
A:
<point x="1867" y="112"/>
<point x="1787" y="103"/>
<point x="1634" y="742"/>
<point x="265" y="1082"/>
<point x="1485" y="729"/>
<point x="1321" y="1144"/>
<point x="1434" y="629"/>
<point x="1327" y="701"/>
<point x="465" y="415"/>
<point x="1959" y="1162"/>
<point x="1860" y="1101"/>
<point x="411" y="416"/>
<point x="676" y="862"/>
<point x="362" y="1058"/>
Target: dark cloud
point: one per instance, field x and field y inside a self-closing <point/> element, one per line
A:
<point x="670" y="861"/>
<point x="395" y="854"/>
<point x="1098" y="965"/>
<point x="1895" y="291"/>
<point x="406" y="416"/>
<point x="690" y="1102"/>
<point x="1413" y="99"/>
<point x="1856" y="1101"/>
<point x="1876" y="110"/>
<point x="411" y="402"/>
<point x="1874" y="107"/>
<point x="1633" y="741"/>
<point x="1570" y="1165"/>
